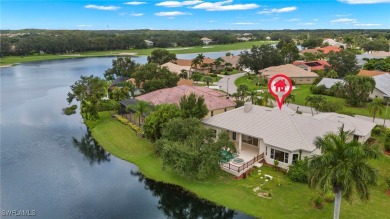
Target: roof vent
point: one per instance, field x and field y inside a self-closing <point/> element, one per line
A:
<point x="247" y="107"/>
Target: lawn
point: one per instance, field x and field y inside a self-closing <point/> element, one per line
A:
<point x="10" y="60"/>
<point x="292" y="200"/>
<point x="302" y="91"/>
<point x="249" y="82"/>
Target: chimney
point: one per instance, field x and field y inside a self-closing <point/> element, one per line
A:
<point x="247" y="107"/>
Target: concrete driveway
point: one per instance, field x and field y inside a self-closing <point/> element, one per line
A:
<point x="226" y="83"/>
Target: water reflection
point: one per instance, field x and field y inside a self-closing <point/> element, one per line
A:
<point x="178" y="203"/>
<point x="91" y="150"/>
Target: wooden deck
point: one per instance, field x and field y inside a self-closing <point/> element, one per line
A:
<point x="240" y="169"/>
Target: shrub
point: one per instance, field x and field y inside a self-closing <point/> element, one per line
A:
<point x="331" y="106"/>
<point x="298" y="171"/>
<point x="318" y="89"/>
<point x="387" y="179"/>
<point x="318" y="202"/>
<point x="379" y="129"/>
<point x="329" y="196"/>
<point x="387" y="144"/>
<point x="276" y="163"/>
<point x="108" y="105"/>
<point x="137" y="129"/>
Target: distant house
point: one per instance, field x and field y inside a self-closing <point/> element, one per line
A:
<point x="371" y="55"/>
<point x="207" y="66"/>
<point x="232" y="59"/>
<point x="215" y="101"/>
<point x="268" y="38"/>
<point x="173" y="67"/>
<point x="243" y="39"/>
<point x="329" y="82"/>
<point x="382" y="86"/>
<point x="370" y="73"/>
<point x="312" y="65"/>
<point x="206" y="40"/>
<point x="117" y="82"/>
<point x="332" y="42"/>
<point x="266" y="134"/>
<point x="296" y="74"/>
<point x="328" y="49"/>
<point x="149" y="43"/>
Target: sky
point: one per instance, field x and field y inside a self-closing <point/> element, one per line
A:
<point x="195" y="14"/>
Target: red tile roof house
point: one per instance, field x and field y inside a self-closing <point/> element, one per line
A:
<point x="312" y="65"/>
<point x="297" y="74"/>
<point x="325" y="50"/>
<point x="199" y="68"/>
<point x="215" y="101"/>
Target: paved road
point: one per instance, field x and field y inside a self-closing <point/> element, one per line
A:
<point x="227" y="82"/>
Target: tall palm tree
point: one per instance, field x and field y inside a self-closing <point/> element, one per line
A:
<point x="376" y="107"/>
<point x="253" y="94"/>
<point x="266" y="99"/>
<point x="342" y="166"/>
<point x="208" y="80"/>
<point x="200" y="57"/>
<point x="218" y="62"/>
<point x="195" y="63"/>
<point x="141" y="108"/>
<point x="183" y="74"/>
<point x="309" y="100"/>
<point x="290" y="99"/>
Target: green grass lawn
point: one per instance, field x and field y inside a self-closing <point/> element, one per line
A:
<point x="302" y="91"/>
<point x="292" y="200"/>
<point x="249" y="82"/>
<point x="11" y="60"/>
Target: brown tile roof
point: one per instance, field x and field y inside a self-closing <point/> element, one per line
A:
<point x="314" y="65"/>
<point x="303" y="51"/>
<point x="289" y="70"/>
<point x="370" y="73"/>
<point x="213" y="99"/>
<point x="183" y="62"/>
<point x="175" y="68"/>
<point x="232" y="60"/>
<point x="328" y="49"/>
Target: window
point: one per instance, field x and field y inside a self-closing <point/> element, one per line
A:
<point x="356" y="138"/>
<point x="279" y="155"/>
<point x="225" y="109"/>
<point x="215" y="132"/>
<point x="234" y="136"/>
<point x="212" y="113"/>
<point x="295" y="158"/>
<point x="250" y="140"/>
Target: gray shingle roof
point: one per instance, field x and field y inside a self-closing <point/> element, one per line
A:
<point x="329" y="82"/>
<point x="383" y="83"/>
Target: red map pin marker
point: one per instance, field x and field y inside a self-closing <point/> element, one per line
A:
<point x="280" y="87"/>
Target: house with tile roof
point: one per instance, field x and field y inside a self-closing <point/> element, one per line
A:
<point x="215" y="101"/>
<point x="207" y="66"/>
<point x="232" y="59"/>
<point x="328" y="49"/>
<point x="267" y="134"/>
<point x="295" y="73"/>
<point x="206" y="40"/>
<point x="173" y="67"/>
<point x="382" y="86"/>
<point x="370" y="73"/>
<point x="329" y="82"/>
<point x="312" y="65"/>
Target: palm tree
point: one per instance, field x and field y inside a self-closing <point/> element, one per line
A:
<point x="376" y="107"/>
<point x="208" y="80"/>
<point x="309" y="100"/>
<point x="195" y="63"/>
<point x="253" y="94"/>
<point x="141" y="108"/>
<point x="338" y="89"/>
<point x="200" y="57"/>
<point x="342" y="166"/>
<point x="290" y="98"/>
<point x="266" y="99"/>
<point x="217" y="63"/>
<point x="242" y="91"/>
<point x="183" y="74"/>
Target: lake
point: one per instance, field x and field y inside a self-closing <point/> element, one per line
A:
<point x="51" y="166"/>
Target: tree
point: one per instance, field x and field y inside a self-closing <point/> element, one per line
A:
<point x="253" y="96"/>
<point x="260" y="57"/>
<point x="312" y="43"/>
<point x="121" y="67"/>
<point x="358" y="88"/>
<point x="242" y="91"/>
<point x="342" y="167"/>
<point x="376" y="107"/>
<point x="141" y="108"/>
<point x="193" y="107"/>
<point x="196" y="76"/>
<point x="208" y="80"/>
<point x="289" y="52"/>
<point x="161" y="56"/>
<point x="183" y="74"/>
<point x="119" y="93"/>
<point x="338" y="89"/>
<point x="89" y="91"/>
<point x="290" y="99"/>
<point x="196" y="154"/>
<point x="378" y="64"/>
<point x="316" y="102"/>
<point x="343" y="62"/>
<point x="158" y="118"/>
<point x="266" y="99"/>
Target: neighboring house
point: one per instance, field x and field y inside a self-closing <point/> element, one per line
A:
<point x="200" y="68"/>
<point x="243" y="39"/>
<point x="206" y="40"/>
<point x="303" y="51"/>
<point x="332" y="42"/>
<point x="233" y="60"/>
<point x="267" y="38"/>
<point x="117" y="82"/>
<point x="215" y="101"/>
<point x="370" y="73"/>
<point x="129" y="113"/>
<point x="382" y="86"/>
<point x="328" y="49"/>
<point x="176" y="68"/>
<point x="329" y="82"/>
<point x="149" y="43"/>
<point x="371" y="55"/>
<point x="297" y="74"/>
<point x="312" y="65"/>
<point x="273" y="134"/>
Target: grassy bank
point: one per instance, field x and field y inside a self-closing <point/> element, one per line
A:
<point x="293" y="200"/>
<point x="303" y="91"/>
<point x="11" y="60"/>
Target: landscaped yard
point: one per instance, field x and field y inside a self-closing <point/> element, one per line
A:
<point x="9" y="60"/>
<point x="302" y="91"/>
<point x="249" y="82"/>
<point x="290" y="199"/>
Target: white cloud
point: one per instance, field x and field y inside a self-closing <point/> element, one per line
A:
<point x="344" y="20"/>
<point x="134" y="3"/>
<point x="171" y="13"/>
<point x="307" y="24"/>
<point x="245" y="23"/>
<point x="173" y="4"/>
<point x="343" y="15"/>
<point x="84" y="25"/>
<point x="355" y="2"/>
<point x="224" y="6"/>
<point x="293" y="19"/>
<point x="278" y="10"/>
<point x="137" y="14"/>
<point x="367" y="25"/>
<point x="315" y="19"/>
<point x="104" y="8"/>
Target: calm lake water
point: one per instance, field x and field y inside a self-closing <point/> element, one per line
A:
<point x="51" y="165"/>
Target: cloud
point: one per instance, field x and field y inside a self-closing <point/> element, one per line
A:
<point x="344" y="20"/>
<point x="104" y="8"/>
<point x="137" y="14"/>
<point x="224" y="6"/>
<point x="84" y="25"/>
<point x="245" y="23"/>
<point x="134" y="3"/>
<point x="307" y="24"/>
<point x="343" y="15"/>
<point x="171" y="13"/>
<point x="278" y="10"/>
<point x="315" y="19"/>
<point x="293" y="19"/>
<point x="367" y="25"/>
<point x="173" y="4"/>
<point x="355" y="2"/>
